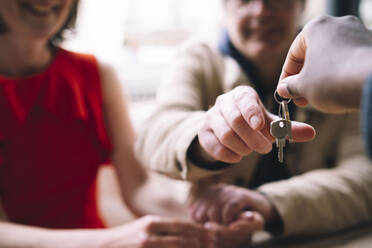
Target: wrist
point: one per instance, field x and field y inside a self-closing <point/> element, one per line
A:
<point x="198" y="154"/>
<point x="273" y="222"/>
<point x="200" y="158"/>
<point x="77" y="238"/>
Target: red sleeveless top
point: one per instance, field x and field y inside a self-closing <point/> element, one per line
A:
<point x="52" y="141"/>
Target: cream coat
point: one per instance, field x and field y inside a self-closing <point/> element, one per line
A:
<point x="331" y="187"/>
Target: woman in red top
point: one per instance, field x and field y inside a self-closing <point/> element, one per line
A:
<point x="62" y="115"/>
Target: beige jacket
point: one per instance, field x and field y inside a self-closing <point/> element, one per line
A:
<point x="331" y="187"/>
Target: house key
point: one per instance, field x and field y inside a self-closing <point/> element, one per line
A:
<point x="282" y="127"/>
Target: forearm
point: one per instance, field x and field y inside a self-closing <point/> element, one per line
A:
<point x="159" y="197"/>
<point x="143" y="193"/>
<point x="163" y="148"/>
<point x="18" y="236"/>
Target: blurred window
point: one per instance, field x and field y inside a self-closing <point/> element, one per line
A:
<point x="138" y="37"/>
<point x="366" y="12"/>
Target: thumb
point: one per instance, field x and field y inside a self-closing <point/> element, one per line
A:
<point x="302" y="132"/>
<point x="291" y="87"/>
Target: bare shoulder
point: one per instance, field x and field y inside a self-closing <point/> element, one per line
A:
<point x="111" y="86"/>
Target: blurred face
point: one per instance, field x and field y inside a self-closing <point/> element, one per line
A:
<point x="263" y="28"/>
<point x="39" y="19"/>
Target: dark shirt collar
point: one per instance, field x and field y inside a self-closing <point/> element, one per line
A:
<point x="226" y="47"/>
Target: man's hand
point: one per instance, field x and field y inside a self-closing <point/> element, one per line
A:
<point x="224" y="204"/>
<point x="327" y="64"/>
<point x="238" y="124"/>
<point x="236" y="234"/>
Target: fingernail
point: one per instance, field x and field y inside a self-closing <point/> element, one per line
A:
<point x="248" y="215"/>
<point x="255" y="122"/>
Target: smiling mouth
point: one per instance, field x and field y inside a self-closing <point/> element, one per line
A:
<point x="40" y="9"/>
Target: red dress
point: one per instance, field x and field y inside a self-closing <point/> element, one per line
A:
<point x="52" y="142"/>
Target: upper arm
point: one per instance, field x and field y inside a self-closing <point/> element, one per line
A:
<point x="120" y="129"/>
<point x="115" y="108"/>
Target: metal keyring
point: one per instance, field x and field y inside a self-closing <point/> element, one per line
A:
<point x="276" y="95"/>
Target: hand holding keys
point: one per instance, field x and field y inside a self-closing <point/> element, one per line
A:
<point x="282" y="127"/>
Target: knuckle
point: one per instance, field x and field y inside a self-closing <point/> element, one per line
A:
<point x="233" y="206"/>
<point x="223" y="154"/>
<point x="220" y="99"/>
<point x="350" y="18"/>
<point x="258" y="145"/>
<point x="227" y="136"/>
<point x="243" y="91"/>
<point x="252" y="110"/>
<point x="219" y="152"/>
<point x="321" y="20"/>
<point x="237" y="120"/>
<point x="246" y="151"/>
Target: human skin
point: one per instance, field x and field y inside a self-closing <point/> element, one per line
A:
<point x="239" y="124"/>
<point x="24" y="51"/>
<point x="328" y="64"/>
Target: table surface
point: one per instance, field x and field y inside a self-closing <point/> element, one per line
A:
<point x="357" y="237"/>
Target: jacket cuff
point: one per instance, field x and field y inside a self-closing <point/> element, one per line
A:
<point x="289" y="211"/>
<point x="188" y="170"/>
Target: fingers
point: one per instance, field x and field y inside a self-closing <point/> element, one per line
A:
<point x="207" y="207"/>
<point x="234" y="126"/>
<point x="248" y="221"/>
<point x="295" y="58"/>
<point x="245" y="115"/>
<point x="289" y="84"/>
<point x="248" y="102"/>
<point x="231" y="210"/>
<point x="171" y="242"/>
<point x="221" y="204"/>
<point x="211" y="144"/>
<point x="292" y="87"/>
<point x="154" y="231"/>
<point x="172" y="227"/>
<point x="225" y="133"/>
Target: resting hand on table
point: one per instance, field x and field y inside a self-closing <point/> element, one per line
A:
<point x="238" y="124"/>
<point x="236" y="234"/>
<point x="327" y="64"/>
<point x="155" y="232"/>
<point x="224" y="203"/>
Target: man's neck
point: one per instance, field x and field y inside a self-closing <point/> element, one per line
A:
<point x="269" y="71"/>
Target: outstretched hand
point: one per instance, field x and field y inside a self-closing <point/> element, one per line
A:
<point x="239" y="124"/>
<point x="327" y="64"/>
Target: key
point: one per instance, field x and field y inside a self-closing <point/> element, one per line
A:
<point x="285" y="115"/>
<point x="281" y="128"/>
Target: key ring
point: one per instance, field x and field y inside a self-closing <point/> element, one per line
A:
<point x="277" y="97"/>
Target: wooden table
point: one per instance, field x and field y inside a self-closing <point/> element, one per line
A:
<point x="358" y="237"/>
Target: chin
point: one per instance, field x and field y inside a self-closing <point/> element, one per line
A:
<point x="262" y="50"/>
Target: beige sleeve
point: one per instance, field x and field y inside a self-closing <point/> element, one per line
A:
<point x="327" y="200"/>
<point x="188" y="89"/>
